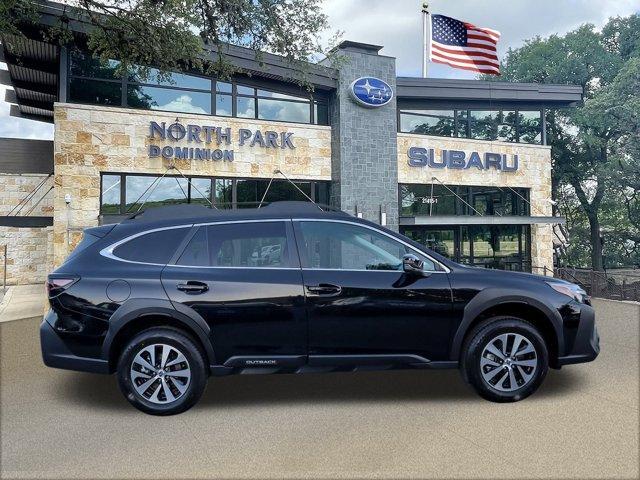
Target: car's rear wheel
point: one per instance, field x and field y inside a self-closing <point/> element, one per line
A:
<point x="162" y="371"/>
<point x="505" y="359"/>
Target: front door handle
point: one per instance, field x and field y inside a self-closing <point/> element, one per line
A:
<point x="324" y="289"/>
<point x="193" y="287"/>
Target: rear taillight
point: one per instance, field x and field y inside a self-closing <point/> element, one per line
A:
<point x="56" y="285"/>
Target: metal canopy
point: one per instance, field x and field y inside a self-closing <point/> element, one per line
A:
<point x="470" y="92"/>
<point x="33" y="74"/>
<point x="480" y="220"/>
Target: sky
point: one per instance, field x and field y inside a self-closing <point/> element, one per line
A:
<point x="397" y="25"/>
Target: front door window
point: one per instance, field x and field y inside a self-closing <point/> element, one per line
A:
<point x="345" y="246"/>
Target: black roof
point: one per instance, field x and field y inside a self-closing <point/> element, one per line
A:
<point x="185" y="213"/>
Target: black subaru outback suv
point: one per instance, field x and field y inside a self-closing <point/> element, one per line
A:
<point x="179" y="293"/>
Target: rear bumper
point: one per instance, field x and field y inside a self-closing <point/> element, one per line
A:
<point x="56" y="354"/>
<point x="586" y="346"/>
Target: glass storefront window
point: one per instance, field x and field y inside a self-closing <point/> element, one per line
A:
<point x="224" y="87"/>
<point x="84" y="64"/>
<point x="246" y="107"/>
<point x="321" y="113"/>
<point x="458" y="200"/>
<point x="529" y="127"/>
<point x="201" y="191"/>
<point x="180" y="80"/>
<point x="95" y="92"/>
<point x="110" y="200"/>
<point x="153" y="191"/>
<point x="281" y="110"/>
<point x="224" y="105"/>
<point x="147" y="192"/>
<point x="92" y="81"/>
<point x="483" y="125"/>
<point x="504" y="247"/>
<point x="157" y="98"/>
<point x="503" y="125"/>
<point x="428" y="122"/>
<point x="223" y="194"/>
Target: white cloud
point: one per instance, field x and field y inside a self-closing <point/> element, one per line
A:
<point x="184" y="103"/>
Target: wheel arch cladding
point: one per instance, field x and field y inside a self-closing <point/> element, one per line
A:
<point x="492" y="302"/>
<point x="139" y="314"/>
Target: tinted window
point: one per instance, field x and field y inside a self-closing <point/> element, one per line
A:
<point x="344" y="246"/>
<point x="196" y="252"/>
<point x="95" y="92"/>
<point x="249" y="245"/>
<point x="157" y="98"/>
<point x="429" y="122"/>
<point x="154" y="247"/>
<point x="111" y="197"/>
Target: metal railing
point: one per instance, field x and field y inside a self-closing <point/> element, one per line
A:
<point x="612" y="284"/>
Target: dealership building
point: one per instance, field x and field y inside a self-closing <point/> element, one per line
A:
<point x="462" y="166"/>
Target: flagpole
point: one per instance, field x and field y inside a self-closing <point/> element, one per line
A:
<point x="426" y="37"/>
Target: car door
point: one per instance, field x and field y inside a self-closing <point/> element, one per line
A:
<point x="244" y="279"/>
<point x="361" y="303"/>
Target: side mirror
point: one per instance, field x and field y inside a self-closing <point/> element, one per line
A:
<point x="411" y="264"/>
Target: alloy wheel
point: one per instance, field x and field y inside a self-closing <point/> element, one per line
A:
<point x="508" y="362"/>
<point x="160" y="373"/>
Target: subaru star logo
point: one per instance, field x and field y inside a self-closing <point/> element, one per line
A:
<point x="371" y="92"/>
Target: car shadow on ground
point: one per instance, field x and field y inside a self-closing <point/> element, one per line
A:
<point x="98" y="391"/>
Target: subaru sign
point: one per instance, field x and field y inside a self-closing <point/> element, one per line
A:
<point x="371" y="92"/>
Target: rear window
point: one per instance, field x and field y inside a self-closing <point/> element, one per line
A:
<point x="154" y="247"/>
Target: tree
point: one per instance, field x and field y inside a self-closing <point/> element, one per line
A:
<point x="593" y="146"/>
<point x="172" y="35"/>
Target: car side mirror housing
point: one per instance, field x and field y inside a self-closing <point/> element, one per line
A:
<point x="412" y="265"/>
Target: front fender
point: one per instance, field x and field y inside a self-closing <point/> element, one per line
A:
<point x="134" y="309"/>
<point x="492" y="297"/>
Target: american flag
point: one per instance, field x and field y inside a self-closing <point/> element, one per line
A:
<point x="463" y="45"/>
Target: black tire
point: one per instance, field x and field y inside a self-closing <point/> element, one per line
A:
<point x="472" y="352"/>
<point x="178" y="342"/>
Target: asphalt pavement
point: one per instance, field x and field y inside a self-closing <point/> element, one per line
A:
<point x="582" y="423"/>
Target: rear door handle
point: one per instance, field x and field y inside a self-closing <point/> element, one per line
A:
<point x="325" y="289"/>
<point x="193" y="287"/>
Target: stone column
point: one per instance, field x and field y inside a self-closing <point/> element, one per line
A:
<point x="364" y="161"/>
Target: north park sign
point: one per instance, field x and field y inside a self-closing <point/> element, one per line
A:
<point x="457" y="159"/>
<point x="199" y="136"/>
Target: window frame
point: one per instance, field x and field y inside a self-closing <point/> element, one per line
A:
<point x="125" y="82"/>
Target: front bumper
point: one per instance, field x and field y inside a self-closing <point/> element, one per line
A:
<point x="56" y="354"/>
<point x="586" y="345"/>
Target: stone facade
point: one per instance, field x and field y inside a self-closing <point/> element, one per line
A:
<point x="89" y="140"/>
<point x="364" y="142"/>
<point x="29" y="250"/>
<point x="534" y="173"/>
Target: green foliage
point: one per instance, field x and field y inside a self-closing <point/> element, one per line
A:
<point x="172" y="35"/>
<point x="596" y="146"/>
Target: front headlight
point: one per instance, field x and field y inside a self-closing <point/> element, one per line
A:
<point x="570" y="290"/>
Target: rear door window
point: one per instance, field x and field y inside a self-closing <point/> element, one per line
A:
<point x="252" y="244"/>
<point x="154" y="247"/>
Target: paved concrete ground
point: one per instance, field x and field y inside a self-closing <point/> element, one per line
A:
<point x="583" y="423"/>
<point x="22" y="301"/>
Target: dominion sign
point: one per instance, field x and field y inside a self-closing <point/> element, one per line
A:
<point x="199" y="136"/>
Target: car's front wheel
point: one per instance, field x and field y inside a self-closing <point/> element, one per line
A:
<point x="505" y="359"/>
<point x="162" y="371"/>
